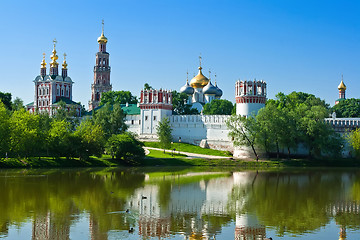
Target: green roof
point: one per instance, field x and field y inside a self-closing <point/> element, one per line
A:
<point x="131" y="109"/>
<point x="30" y="104"/>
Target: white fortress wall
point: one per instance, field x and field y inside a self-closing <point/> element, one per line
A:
<point x="194" y="128"/>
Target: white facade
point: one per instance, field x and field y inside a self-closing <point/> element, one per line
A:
<point x="250" y="97"/>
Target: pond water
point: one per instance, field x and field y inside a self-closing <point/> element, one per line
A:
<point x="186" y="203"/>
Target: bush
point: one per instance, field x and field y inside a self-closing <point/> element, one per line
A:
<point x="124" y="146"/>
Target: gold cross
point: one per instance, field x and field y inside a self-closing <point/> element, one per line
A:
<point x="44" y="56"/>
<point x="103" y="26"/>
<point x="55" y="42"/>
<point x="200" y="59"/>
<point x="65" y="56"/>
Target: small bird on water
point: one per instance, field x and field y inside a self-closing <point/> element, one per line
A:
<point x="131" y="230"/>
<point x="270" y="238"/>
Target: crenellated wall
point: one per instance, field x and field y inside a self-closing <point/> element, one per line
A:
<point x="195" y="128"/>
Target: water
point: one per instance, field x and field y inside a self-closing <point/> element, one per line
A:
<point x="190" y="203"/>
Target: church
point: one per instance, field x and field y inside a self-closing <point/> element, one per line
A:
<point x="52" y="88"/>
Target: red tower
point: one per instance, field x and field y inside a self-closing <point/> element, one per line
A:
<point x="101" y="73"/>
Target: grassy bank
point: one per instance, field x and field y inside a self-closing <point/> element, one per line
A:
<point x="185" y="147"/>
<point x="158" y="158"/>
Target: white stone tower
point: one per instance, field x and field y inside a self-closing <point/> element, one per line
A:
<point x="154" y="105"/>
<point x="250" y="96"/>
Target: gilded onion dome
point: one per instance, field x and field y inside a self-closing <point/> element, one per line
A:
<point x="342" y="86"/>
<point x="43" y="63"/>
<point x="64" y="63"/>
<point x="102" y="38"/>
<point x="209" y="89"/>
<point x="187" y="88"/>
<point x="54" y="57"/>
<point x="219" y="92"/>
<point x="199" y="81"/>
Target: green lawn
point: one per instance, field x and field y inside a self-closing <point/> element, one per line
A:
<point x="185" y="147"/>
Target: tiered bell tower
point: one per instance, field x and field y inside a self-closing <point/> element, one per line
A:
<point x="101" y="73"/>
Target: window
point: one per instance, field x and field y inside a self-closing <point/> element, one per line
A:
<point x="154" y="118"/>
<point x="132" y="122"/>
<point x="58" y="91"/>
<point x="146" y="118"/>
<point x="67" y="91"/>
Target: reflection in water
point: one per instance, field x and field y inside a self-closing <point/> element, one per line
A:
<point x="180" y="205"/>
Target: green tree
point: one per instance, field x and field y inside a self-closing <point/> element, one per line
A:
<point x="120" y="97"/>
<point x="18" y="104"/>
<point x="59" y="138"/>
<point x="24" y="134"/>
<point x="180" y="106"/>
<point x="218" y="107"/>
<point x="347" y="108"/>
<point x="163" y="130"/>
<point x="243" y="131"/>
<point x="147" y="86"/>
<point x="111" y="118"/>
<point x="354" y="139"/>
<point x="4" y="130"/>
<point x="124" y="146"/>
<point x="88" y="139"/>
<point x="5" y="98"/>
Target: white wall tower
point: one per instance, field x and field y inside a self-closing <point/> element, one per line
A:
<point x="250" y="96"/>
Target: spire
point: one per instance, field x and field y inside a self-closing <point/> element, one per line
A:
<point x="209" y="74"/>
<point x="102" y="38"/>
<point x="187" y="76"/>
<point x="53" y="63"/>
<point x="200" y="62"/>
<point x="64" y="67"/>
<point x="64" y="63"/>
<point x="43" y="67"/>
<point x="215" y="81"/>
<point x="54" y="57"/>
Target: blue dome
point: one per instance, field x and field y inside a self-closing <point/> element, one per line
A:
<point x="209" y="89"/>
<point x="187" y="89"/>
<point x="219" y="92"/>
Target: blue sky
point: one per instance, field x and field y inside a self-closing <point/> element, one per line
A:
<point x="296" y="45"/>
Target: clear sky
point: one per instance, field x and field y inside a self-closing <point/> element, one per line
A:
<point x="297" y="45"/>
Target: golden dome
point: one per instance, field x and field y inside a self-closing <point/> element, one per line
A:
<point x="199" y="81"/>
<point x="342" y="86"/>
<point x="64" y="63"/>
<point x="102" y="39"/>
<point x="43" y="63"/>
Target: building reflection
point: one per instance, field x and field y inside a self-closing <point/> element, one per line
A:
<point x="45" y="228"/>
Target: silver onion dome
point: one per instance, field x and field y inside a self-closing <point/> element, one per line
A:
<point x="209" y="89"/>
<point x="187" y="89"/>
<point x="219" y="92"/>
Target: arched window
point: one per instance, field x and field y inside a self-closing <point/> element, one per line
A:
<point x="97" y="96"/>
<point x="67" y="91"/>
<point x="58" y="91"/>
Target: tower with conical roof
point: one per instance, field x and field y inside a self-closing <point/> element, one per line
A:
<point x="342" y="89"/>
<point x="101" y="82"/>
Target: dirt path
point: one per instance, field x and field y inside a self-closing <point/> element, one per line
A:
<point x="189" y="155"/>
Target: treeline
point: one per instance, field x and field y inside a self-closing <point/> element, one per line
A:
<point x="286" y="124"/>
<point x="24" y="135"/>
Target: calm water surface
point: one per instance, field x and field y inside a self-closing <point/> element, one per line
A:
<point x="179" y="204"/>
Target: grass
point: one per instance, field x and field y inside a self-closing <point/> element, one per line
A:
<point x="185" y="147"/>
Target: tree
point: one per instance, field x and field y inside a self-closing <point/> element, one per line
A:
<point x="59" y="138"/>
<point x="218" y="107"/>
<point x="89" y="139"/>
<point x="5" y="98"/>
<point x="111" y="118"/>
<point x="120" y="97"/>
<point x="243" y="131"/>
<point x="124" y="146"/>
<point x="163" y="130"/>
<point x="24" y="133"/>
<point x="180" y="106"/>
<point x="347" y="108"/>
<point x="354" y="139"/>
<point x="4" y="130"/>
<point x="147" y="86"/>
<point x="18" y="104"/>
